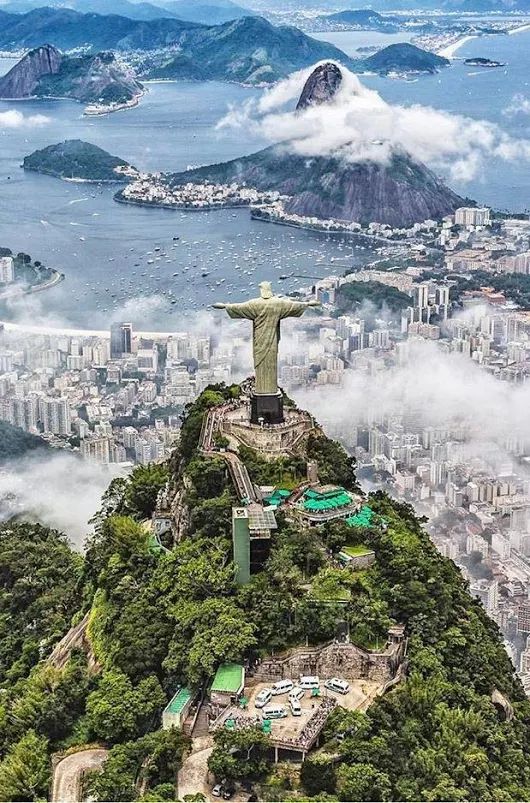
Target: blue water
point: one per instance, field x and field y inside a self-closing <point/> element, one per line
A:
<point x="483" y="94"/>
<point x="102" y="246"/>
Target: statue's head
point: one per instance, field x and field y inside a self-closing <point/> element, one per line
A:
<point x="265" y="290"/>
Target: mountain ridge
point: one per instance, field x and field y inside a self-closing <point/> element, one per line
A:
<point x="398" y="191"/>
<point x="46" y="72"/>
<point x="245" y="50"/>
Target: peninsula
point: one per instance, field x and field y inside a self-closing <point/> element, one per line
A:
<point x="20" y="274"/>
<point x="45" y="72"/>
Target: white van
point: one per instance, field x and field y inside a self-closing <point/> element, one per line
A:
<point x="294" y="705"/>
<point x="274" y="712"/>
<point x="282" y="687"/>
<point x="263" y="698"/>
<point x="309" y="682"/>
<point x="296" y="694"/>
<point x="338" y="685"/>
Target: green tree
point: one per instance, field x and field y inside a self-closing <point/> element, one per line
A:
<point x="362" y="782"/>
<point x="39" y="594"/>
<point x="25" y="770"/>
<point x="142" y="489"/>
<point x="150" y="763"/>
<point x="240" y="754"/>
<point x="207" y="634"/>
<point x="319" y="774"/>
<point x="117" y="710"/>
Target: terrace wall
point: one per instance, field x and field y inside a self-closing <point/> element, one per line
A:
<point x="334" y="659"/>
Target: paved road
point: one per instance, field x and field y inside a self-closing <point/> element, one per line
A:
<point x="193" y="774"/>
<point x="69" y="772"/>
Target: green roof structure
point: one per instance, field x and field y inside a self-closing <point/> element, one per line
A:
<point x="361" y="519"/>
<point x="278" y="496"/>
<point x="229" y="679"/>
<point x="178" y="701"/>
<point x="176" y="711"/>
<point x="320" y="502"/>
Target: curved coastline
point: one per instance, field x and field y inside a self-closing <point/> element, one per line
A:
<point x="57" y="278"/>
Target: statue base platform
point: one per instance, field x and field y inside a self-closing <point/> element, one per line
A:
<point x="266" y="409"/>
<point x="271" y="440"/>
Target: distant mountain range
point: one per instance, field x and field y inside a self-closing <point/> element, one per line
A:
<point x="46" y="72"/>
<point x="363" y="19"/>
<point x="399" y="193"/>
<point x="248" y="50"/>
<point x="210" y="12"/>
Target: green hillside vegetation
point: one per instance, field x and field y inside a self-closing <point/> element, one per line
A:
<point x="74" y="158"/>
<point x="353" y="294"/>
<point x="158" y="620"/>
<point x="15" y="442"/>
<point x="515" y="286"/>
<point x="248" y="49"/>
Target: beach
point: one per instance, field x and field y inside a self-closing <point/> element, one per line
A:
<point x="449" y="51"/>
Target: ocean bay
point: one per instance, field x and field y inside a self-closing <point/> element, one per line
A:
<point x="103" y="247"/>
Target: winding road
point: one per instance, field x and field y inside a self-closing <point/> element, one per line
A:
<point x="69" y="772"/>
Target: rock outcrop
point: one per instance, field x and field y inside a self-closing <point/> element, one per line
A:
<point x="46" y="72"/>
<point x="22" y="80"/>
<point x="321" y="86"/>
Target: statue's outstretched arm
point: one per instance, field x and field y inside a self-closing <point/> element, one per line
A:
<point x="245" y="309"/>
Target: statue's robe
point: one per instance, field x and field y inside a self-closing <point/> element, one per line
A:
<point x="266" y="314"/>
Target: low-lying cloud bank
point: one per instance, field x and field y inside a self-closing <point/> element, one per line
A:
<point x="358" y="125"/>
<point x="12" y="118"/>
<point x="59" y="490"/>
<point x="434" y="389"/>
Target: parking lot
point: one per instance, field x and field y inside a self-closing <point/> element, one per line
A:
<point x="359" y="696"/>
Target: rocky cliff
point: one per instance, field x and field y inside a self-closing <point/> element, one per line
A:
<point x="22" y="80"/>
<point x="321" y="86"/>
<point x="45" y="72"/>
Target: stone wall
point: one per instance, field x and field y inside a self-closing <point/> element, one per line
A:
<point x="341" y="660"/>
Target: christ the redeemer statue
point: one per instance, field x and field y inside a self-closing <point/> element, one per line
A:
<point x="266" y="312"/>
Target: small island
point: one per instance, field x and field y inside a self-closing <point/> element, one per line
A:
<point x="75" y="160"/>
<point x="478" y="61"/>
<point x="402" y="58"/>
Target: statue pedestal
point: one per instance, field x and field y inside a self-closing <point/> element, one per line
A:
<point x="266" y="409"/>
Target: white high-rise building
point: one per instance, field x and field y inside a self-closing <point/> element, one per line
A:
<point x="472" y="216"/>
<point x="7" y="270"/>
<point x="55" y="415"/>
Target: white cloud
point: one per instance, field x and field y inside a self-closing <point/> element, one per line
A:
<point x="519" y="104"/>
<point x="432" y="388"/>
<point x="60" y="491"/>
<point x="15" y="119"/>
<point x="358" y="125"/>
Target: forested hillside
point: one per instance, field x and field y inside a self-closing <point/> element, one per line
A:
<point x="159" y="619"/>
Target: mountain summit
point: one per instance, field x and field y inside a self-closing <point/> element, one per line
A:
<point x="398" y="191"/>
<point x="321" y="86"/>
